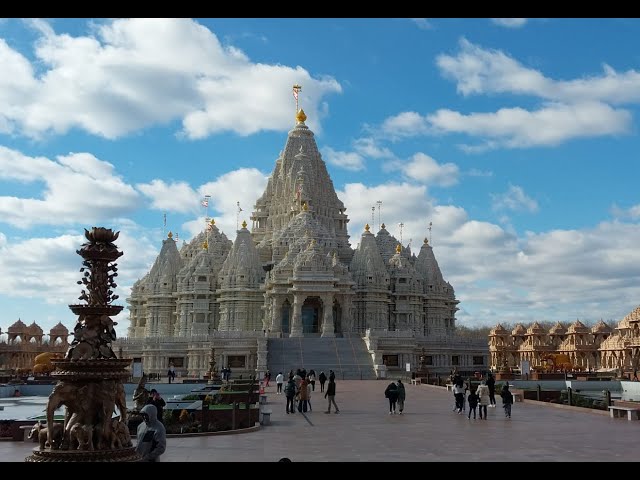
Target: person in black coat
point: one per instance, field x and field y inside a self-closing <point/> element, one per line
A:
<point x="322" y="378"/>
<point x="157" y="401"/>
<point x="491" y="383"/>
<point x="391" y="392"/>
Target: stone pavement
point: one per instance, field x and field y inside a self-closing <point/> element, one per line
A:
<point x="428" y="431"/>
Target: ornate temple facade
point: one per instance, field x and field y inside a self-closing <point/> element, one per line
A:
<point x="600" y="347"/>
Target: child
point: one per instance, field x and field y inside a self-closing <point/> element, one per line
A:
<point x="472" y="399"/>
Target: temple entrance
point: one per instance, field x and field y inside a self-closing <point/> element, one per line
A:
<point x="311" y="310"/>
<point x="286" y="315"/>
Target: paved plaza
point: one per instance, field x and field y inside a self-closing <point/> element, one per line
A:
<point x="428" y="431"/>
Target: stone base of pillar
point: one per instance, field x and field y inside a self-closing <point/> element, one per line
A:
<point x="296" y="334"/>
<point x="328" y="335"/>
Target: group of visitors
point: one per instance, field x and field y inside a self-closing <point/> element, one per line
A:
<point x="481" y="398"/>
<point x="300" y="386"/>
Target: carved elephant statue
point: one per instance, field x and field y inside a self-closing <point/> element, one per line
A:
<point x="87" y="403"/>
<point x="43" y="435"/>
<point x="82" y="435"/>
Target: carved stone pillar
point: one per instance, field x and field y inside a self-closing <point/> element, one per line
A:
<point x="276" y="316"/>
<point x="327" y="324"/>
<point x="296" y="323"/>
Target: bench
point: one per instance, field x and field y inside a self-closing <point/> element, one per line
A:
<point x="265" y="417"/>
<point x="517" y="396"/>
<point x="449" y="387"/>
<point x="263" y="399"/>
<point x="616" y="411"/>
<point x="416" y="381"/>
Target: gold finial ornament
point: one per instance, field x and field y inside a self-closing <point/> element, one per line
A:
<point x="244" y="224"/>
<point x="170" y="235"/>
<point x="205" y="245"/>
<point x="305" y="207"/>
<point x="383" y="226"/>
<point x="366" y="227"/>
<point x="398" y="248"/>
<point x="213" y="222"/>
<point x="426" y="241"/>
<point x="301" y="116"/>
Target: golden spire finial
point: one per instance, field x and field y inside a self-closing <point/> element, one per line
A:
<point x="366" y="227"/>
<point x="383" y="226"/>
<point x="426" y="241"/>
<point x="398" y="248"/>
<point x="305" y="207"/>
<point x="205" y="245"/>
<point x="301" y="116"/>
<point x="244" y="224"/>
<point x="213" y="222"/>
<point x="170" y="235"/>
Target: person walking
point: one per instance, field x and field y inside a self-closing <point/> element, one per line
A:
<point x="267" y="377"/>
<point x="507" y="400"/>
<point x="491" y="383"/>
<point x="331" y="395"/>
<point x="312" y="380"/>
<point x="279" y="382"/>
<point x="483" y="394"/>
<point x="171" y="373"/>
<point x="309" y="390"/>
<point x="401" y="396"/>
<point x="332" y="375"/>
<point x="458" y="393"/>
<point x="391" y="392"/>
<point x="322" y="378"/>
<point x="303" y="396"/>
<point x="151" y="435"/>
<point x="472" y="401"/>
<point x="290" y="393"/>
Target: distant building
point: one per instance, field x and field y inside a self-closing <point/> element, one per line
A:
<point x="600" y="347"/>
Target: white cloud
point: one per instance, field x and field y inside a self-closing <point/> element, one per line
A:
<point x="348" y="160"/>
<point x="480" y="71"/>
<point x="47" y="269"/>
<point x="547" y="126"/>
<point x="631" y="212"/>
<point x="423" y="168"/>
<point x="174" y="197"/>
<point x="510" y="22"/>
<point x="135" y="73"/>
<point x="77" y="185"/>
<point x="369" y="147"/>
<point x="514" y="199"/>
<point x="404" y="124"/>
<point x="422" y="23"/>
<point x="243" y="185"/>
<point x="474" y="172"/>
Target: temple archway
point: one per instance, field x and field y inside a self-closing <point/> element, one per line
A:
<point x="311" y="315"/>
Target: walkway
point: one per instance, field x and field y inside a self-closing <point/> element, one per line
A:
<point x="428" y="431"/>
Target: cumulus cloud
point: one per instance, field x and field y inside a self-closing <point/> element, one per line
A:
<point x="510" y="22"/>
<point x="28" y="265"/>
<point x="173" y="197"/>
<point x="135" y="73"/>
<point x="514" y="199"/>
<point x="369" y="147"/>
<point x="404" y="124"/>
<point x="243" y="185"/>
<point x="77" y="185"/>
<point x="477" y="70"/>
<point x="550" y="125"/>
<point x="348" y="160"/>
<point x="423" y="168"/>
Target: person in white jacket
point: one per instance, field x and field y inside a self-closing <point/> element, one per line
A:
<point x="483" y="394"/>
<point x="279" y="382"/>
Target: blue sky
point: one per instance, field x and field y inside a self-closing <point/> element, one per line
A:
<point x="516" y="138"/>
